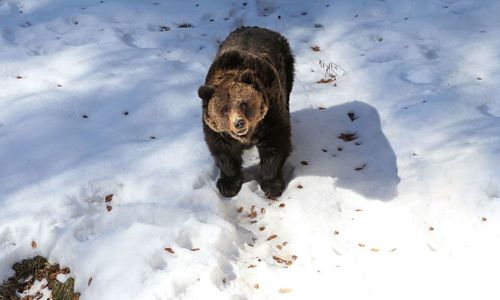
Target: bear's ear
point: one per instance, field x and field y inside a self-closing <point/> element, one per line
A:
<point x="248" y="77"/>
<point x="205" y="92"/>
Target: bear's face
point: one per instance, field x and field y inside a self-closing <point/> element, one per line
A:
<point x="234" y="107"/>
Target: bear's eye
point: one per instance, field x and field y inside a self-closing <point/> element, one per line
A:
<point x="224" y="111"/>
<point x="243" y="105"/>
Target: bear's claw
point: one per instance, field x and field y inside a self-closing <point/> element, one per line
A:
<point x="273" y="188"/>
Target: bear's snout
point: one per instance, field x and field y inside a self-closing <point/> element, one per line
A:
<point x="239" y="124"/>
<point x="240" y="127"/>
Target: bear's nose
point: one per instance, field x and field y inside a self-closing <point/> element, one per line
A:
<point x="239" y="123"/>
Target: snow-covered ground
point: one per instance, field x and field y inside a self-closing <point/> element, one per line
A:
<point x="99" y="97"/>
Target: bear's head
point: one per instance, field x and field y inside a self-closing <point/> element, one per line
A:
<point x="234" y="106"/>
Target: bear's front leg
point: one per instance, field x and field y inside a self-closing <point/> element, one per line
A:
<point x="272" y="159"/>
<point x="231" y="179"/>
<point x="227" y="156"/>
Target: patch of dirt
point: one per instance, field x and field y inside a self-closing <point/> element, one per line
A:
<point x="38" y="269"/>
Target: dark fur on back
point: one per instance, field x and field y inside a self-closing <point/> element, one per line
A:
<point x="267" y="54"/>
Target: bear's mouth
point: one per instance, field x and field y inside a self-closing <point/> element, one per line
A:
<point x="241" y="132"/>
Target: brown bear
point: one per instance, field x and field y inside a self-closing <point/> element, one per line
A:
<point x="245" y="104"/>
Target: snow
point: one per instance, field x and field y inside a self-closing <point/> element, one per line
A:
<point x="38" y="286"/>
<point x="96" y="99"/>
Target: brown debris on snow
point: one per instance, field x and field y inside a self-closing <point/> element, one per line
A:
<point x="279" y="259"/>
<point x="185" y="25"/>
<point x="284" y="261"/>
<point x="347" y="137"/>
<point x="252" y="214"/>
<point x="108" y="198"/>
<point x="352" y="116"/>
<point x="360" y="167"/>
<point x="329" y="80"/>
<point x="272" y="237"/>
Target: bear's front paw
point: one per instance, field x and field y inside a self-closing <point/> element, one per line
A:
<point x="273" y="188"/>
<point x="229" y="187"/>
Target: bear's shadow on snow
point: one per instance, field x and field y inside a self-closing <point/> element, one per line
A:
<point x="345" y="142"/>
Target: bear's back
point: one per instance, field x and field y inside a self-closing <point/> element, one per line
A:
<point x="255" y="40"/>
